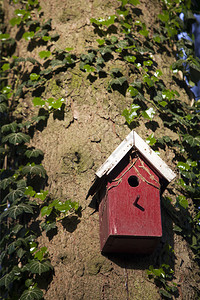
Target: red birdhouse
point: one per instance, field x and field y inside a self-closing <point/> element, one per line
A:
<point x="129" y="194"/>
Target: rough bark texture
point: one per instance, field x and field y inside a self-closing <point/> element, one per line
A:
<point x="75" y="146"/>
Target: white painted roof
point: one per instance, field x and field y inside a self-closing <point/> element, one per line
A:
<point x="133" y="139"/>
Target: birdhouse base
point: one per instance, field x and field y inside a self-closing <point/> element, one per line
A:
<point x="129" y="244"/>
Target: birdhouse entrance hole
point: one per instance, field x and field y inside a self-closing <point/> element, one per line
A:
<point x="133" y="181"/>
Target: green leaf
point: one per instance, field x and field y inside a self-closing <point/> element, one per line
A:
<point x="148" y="80"/>
<point x="17" y="228"/>
<point x="33" y="169"/>
<point x="6" y="90"/>
<point x="118" y="81"/>
<point x="9" y="127"/>
<point x="182" y="201"/>
<point x="6" y="182"/>
<point x="34" y="76"/>
<point x="164" y="17"/>
<point x="68" y="49"/>
<point x="100" y="41"/>
<point x="4" y="36"/>
<point x="40" y="254"/>
<point x="6" y="67"/>
<point x="183" y="166"/>
<point x="37" y="101"/>
<point x="147" y="63"/>
<point x="56" y="104"/>
<point x="20" y="12"/>
<point x="42" y="195"/>
<point x="34" y="153"/>
<point x="3" y="107"/>
<point x="29" y="191"/>
<point x="28" y="35"/>
<point x="46" y="211"/>
<point x="7" y="279"/>
<point x="151" y="140"/>
<point x="89" y="68"/>
<point x="15" y="21"/>
<point x="122" y="13"/>
<point x="16" y="138"/>
<point x="148" y="114"/>
<point x="47" y="226"/>
<point x="46" y="38"/>
<point x="38" y="267"/>
<point x="130" y="58"/>
<point x="16" y="210"/>
<point x="144" y="32"/>
<point x="192" y="141"/>
<point x="44" y="54"/>
<point x="131" y="114"/>
<point x="177" y="228"/>
<point x="133" y="91"/>
<point x="165" y="294"/>
<point x="15" y="194"/>
<point x="33" y="293"/>
<point x="134" y="2"/>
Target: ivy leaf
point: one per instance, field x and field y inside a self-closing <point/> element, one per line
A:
<point x="32" y="60"/>
<point x="118" y="81"/>
<point x="15" y="21"/>
<point x="131" y="114"/>
<point x="151" y="140"/>
<point x="28" y="35"/>
<point x="42" y="195"/>
<point x="133" y="91"/>
<point x="37" y="101"/>
<point x="134" y="2"/>
<point x="9" y="127"/>
<point x="6" y="182"/>
<point x="189" y="139"/>
<point x="44" y="54"/>
<point x="100" y="41"/>
<point x="34" y="153"/>
<point x="148" y="80"/>
<point x="165" y="294"/>
<point x="177" y="228"/>
<point x="16" y="210"/>
<point x="182" y="201"/>
<point x="16" y="138"/>
<point x="47" y="226"/>
<point x="15" y="194"/>
<point x="9" y="278"/>
<point x="29" y="191"/>
<point x="33" y="293"/>
<point x="4" y="36"/>
<point x="34" y="76"/>
<point x="46" y="211"/>
<point x="34" y="170"/>
<point x="89" y="68"/>
<point x="17" y="228"/>
<point x="183" y="166"/>
<point x="56" y="104"/>
<point x="148" y="114"/>
<point x="130" y="58"/>
<point x="3" y="107"/>
<point x="38" y="267"/>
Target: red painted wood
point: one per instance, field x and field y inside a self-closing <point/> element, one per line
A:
<point x="130" y="216"/>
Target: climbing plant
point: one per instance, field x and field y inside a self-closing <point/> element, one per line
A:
<point x="122" y="37"/>
<point x="22" y="261"/>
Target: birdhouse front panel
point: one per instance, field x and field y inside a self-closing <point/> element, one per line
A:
<point x="130" y="216"/>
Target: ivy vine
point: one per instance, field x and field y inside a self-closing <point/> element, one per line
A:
<point x="124" y="37"/>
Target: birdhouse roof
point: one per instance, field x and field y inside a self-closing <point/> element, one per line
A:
<point x="134" y="140"/>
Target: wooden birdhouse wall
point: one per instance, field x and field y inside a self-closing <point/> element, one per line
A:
<point x="129" y="212"/>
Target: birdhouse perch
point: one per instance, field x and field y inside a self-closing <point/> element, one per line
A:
<point x="129" y="197"/>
